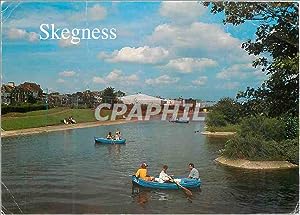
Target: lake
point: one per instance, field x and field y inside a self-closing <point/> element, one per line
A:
<point x="65" y="172"/>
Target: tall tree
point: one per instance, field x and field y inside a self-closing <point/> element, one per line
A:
<point x="109" y="95"/>
<point x="277" y="35"/>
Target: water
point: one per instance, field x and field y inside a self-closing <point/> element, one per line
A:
<point x="65" y="172"/>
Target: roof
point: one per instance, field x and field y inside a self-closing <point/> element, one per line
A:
<point x="140" y="98"/>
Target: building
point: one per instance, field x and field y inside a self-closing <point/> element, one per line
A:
<point x="6" y="92"/>
<point x="140" y="99"/>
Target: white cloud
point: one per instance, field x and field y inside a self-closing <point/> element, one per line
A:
<point x="145" y="55"/>
<point x="97" y="12"/>
<point x="182" y="12"/>
<point x="116" y="76"/>
<point x="67" y="73"/>
<point x="98" y="80"/>
<point x="188" y="65"/>
<point x="20" y="34"/>
<point x="164" y="79"/>
<point x="240" y="71"/>
<point x="94" y="13"/>
<point x="229" y="85"/>
<point x="209" y="40"/>
<point x="60" y="80"/>
<point x="200" y="81"/>
<point x="65" y="43"/>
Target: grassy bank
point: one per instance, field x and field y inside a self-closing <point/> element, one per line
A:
<point x="34" y="119"/>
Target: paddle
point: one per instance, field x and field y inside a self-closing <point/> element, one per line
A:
<point x="187" y="191"/>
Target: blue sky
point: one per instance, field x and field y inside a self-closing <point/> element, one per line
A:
<point x="169" y="49"/>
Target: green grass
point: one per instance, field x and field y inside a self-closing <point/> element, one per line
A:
<point x="34" y="119"/>
<point x="227" y="128"/>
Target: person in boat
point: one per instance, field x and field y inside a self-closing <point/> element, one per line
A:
<point x="194" y="173"/>
<point x="143" y="174"/>
<point x="118" y="135"/>
<point x="163" y="176"/>
<point x="109" y="136"/>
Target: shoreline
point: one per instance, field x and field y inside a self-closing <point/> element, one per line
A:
<point x="218" y="133"/>
<point x="62" y="127"/>
<point x="255" y="165"/>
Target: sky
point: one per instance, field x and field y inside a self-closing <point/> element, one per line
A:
<point x="167" y="49"/>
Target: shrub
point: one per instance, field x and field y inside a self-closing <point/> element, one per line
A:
<point x="22" y="108"/>
<point x="216" y="119"/>
<point x="267" y="128"/>
<point x="226" y="111"/>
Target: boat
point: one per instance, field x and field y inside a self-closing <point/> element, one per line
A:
<point x="185" y="182"/>
<point x="109" y="141"/>
<point x="179" y="121"/>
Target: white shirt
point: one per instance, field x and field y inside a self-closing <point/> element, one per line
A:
<point x="163" y="177"/>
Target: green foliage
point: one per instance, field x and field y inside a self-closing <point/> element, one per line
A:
<point x="267" y="128"/>
<point x="215" y="119"/>
<point x="109" y="95"/>
<point x="277" y="35"/>
<point x="22" y="108"/>
<point x="262" y="138"/>
<point x="290" y="150"/>
<point x="291" y="127"/>
<point x="226" y="111"/>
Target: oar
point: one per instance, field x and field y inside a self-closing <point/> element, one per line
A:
<point x="187" y="191"/>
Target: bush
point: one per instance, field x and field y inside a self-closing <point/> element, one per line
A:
<point x="291" y="127"/>
<point x="216" y="119"/>
<point x="226" y="111"/>
<point x="22" y="108"/>
<point x="267" y="128"/>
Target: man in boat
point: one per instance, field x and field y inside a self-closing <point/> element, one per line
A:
<point x="143" y="174"/>
<point x="109" y="136"/>
<point x="163" y="176"/>
<point x="194" y="173"/>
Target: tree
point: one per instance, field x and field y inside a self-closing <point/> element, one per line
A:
<point x="226" y="111"/>
<point x="277" y="35"/>
<point x="119" y="93"/>
<point x="109" y="95"/>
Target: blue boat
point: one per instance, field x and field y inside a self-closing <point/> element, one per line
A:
<point x="109" y="141"/>
<point x="185" y="182"/>
<point x="179" y="121"/>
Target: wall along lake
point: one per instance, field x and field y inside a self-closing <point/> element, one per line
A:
<point x="65" y="172"/>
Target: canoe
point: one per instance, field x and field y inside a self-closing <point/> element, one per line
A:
<point x="180" y="121"/>
<point x="185" y="182"/>
<point x="109" y="141"/>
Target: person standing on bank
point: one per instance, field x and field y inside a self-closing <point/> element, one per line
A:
<point x="194" y="173"/>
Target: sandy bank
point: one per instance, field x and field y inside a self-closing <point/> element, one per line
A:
<point x="61" y="127"/>
<point x="218" y="134"/>
<point x="262" y="165"/>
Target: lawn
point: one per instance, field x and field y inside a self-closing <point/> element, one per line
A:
<point x="34" y="119"/>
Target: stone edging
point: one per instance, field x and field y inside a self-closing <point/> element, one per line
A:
<point x="258" y="165"/>
<point x="218" y="134"/>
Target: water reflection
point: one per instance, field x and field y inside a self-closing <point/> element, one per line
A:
<point x="114" y="150"/>
<point x="140" y="196"/>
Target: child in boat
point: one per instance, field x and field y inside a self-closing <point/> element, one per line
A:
<point x="163" y="176"/>
<point x="142" y="173"/>
<point x="109" y="136"/>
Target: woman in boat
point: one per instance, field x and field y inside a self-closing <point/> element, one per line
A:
<point x="109" y="136"/>
<point x="143" y="174"/>
<point x="163" y="176"/>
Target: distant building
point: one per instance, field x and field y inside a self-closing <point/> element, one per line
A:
<point x="6" y="92"/>
<point x="140" y="99"/>
<point x="26" y="92"/>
